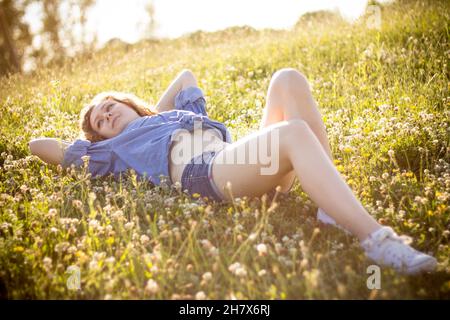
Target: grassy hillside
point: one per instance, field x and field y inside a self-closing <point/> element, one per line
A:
<point x="384" y="96"/>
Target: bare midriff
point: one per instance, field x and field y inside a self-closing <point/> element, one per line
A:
<point x="191" y="144"/>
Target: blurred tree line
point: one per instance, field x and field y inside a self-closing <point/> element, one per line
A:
<point x="62" y="33"/>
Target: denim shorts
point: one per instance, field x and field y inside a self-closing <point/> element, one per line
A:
<point x="197" y="177"/>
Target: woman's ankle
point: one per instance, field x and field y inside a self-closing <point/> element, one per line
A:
<point x="368" y="232"/>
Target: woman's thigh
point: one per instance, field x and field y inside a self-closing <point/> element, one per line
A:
<point x="254" y="164"/>
<point x="274" y="112"/>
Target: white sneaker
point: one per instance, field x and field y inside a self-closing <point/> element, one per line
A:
<point x="326" y="219"/>
<point x="386" y="247"/>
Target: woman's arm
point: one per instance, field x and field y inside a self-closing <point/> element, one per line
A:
<point x="50" y="150"/>
<point x="184" y="80"/>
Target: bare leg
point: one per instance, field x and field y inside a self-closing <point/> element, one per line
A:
<point x="289" y="97"/>
<point x="299" y="150"/>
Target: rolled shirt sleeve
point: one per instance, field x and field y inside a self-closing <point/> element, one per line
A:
<point x="191" y="99"/>
<point x="100" y="156"/>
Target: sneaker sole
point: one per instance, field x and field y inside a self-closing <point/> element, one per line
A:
<point x="425" y="266"/>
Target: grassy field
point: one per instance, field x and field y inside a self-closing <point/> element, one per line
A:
<point x="384" y="96"/>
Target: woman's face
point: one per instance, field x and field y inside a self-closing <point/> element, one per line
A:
<point x="110" y="117"/>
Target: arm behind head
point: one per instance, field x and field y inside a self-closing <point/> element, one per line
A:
<point x="50" y="150"/>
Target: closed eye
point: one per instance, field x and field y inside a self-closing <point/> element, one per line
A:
<point x="108" y="108"/>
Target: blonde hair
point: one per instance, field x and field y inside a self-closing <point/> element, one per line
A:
<point x="137" y="104"/>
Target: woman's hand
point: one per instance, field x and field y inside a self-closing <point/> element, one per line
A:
<point x="184" y="79"/>
<point x="49" y="150"/>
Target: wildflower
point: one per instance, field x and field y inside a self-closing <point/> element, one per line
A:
<point x="129" y="225"/>
<point x="312" y="277"/>
<point x="77" y="204"/>
<point x="237" y="269"/>
<point x="262" y="273"/>
<point x="144" y="239"/>
<point x="47" y="262"/>
<point x="232" y="268"/>
<point x="152" y="287"/>
<point x="93" y="265"/>
<point x="252" y="236"/>
<point x="207" y="276"/>
<point x="206" y="244"/>
<point x="118" y="215"/>
<point x="200" y="295"/>
<point x="304" y="263"/>
<point x="262" y="249"/>
<point x="241" y="272"/>
<point x="72" y="250"/>
<point x="52" y="213"/>
<point x="110" y="260"/>
<point x="85" y="159"/>
<point x="94" y="224"/>
<point x="61" y="247"/>
<point x="18" y="249"/>
<point x="213" y="252"/>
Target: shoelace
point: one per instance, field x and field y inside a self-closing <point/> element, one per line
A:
<point x="382" y="234"/>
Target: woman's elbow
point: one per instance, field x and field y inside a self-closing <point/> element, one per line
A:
<point x="32" y="146"/>
<point x="47" y="150"/>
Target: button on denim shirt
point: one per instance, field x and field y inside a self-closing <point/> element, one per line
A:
<point x="144" y="143"/>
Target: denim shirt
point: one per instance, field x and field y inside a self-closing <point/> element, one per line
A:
<point x="144" y="143"/>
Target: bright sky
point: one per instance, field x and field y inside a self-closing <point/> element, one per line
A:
<point x="126" y="19"/>
<point x="177" y="17"/>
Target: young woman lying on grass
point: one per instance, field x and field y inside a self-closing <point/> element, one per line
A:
<point x="122" y="132"/>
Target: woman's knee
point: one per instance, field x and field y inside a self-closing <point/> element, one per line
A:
<point x="292" y="130"/>
<point x="289" y="79"/>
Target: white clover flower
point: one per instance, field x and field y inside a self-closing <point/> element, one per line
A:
<point x="152" y="287"/>
<point x="93" y="265"/>
<point x="52" y="212"/>
<point x="241" y="272"/>
<point x="110" y="260"/>
<point x="262" y="273"/>
<point x="252" y="237"/>
<point x="232" y="268"/>
<point x="94" y="224"/>
<point x="206" y="244"/>
<point x="47" y="261"/>
<point x="129" y="225"/>
<point x="200" y="295"/>
<point x="262" y="249"/>
<point x="213" y="251"/>
<point x="144" y="239"/>
<point x="207" y="276"/>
